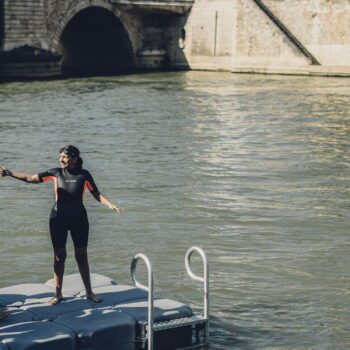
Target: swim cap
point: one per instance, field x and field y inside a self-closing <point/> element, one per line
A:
<point x="70" y="151"/>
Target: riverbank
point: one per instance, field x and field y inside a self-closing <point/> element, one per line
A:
<point x="312" y="71"/>
<point x="317" y="71"/>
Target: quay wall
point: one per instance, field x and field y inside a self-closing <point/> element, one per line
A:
<point x="23" y="24"/>
<point x="269" y="36"/>
<point x="238" y="34"/>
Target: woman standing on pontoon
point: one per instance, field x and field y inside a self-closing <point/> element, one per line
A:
<point x="68" y="213"/>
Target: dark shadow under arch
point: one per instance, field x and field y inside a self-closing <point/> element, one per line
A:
<point x="95" y="42"/>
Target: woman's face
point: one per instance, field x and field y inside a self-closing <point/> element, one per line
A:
<point x="67" y="161"/>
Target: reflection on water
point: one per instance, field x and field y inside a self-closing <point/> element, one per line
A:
<point x="254" y="169"/>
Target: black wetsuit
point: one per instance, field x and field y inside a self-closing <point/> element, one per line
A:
<point x="69" y="212"/>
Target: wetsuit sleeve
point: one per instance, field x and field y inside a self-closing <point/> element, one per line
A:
<point x="90" y="183"/>
<point x="47" y="176"/>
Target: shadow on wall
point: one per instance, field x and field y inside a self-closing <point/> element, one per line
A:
<point x="177" y="43"/>
<point x="95" y="42"/>
<point x="164" y="42"/>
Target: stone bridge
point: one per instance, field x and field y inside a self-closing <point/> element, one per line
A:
<point x="46" y="37"/>
<point x="78" y="37"/>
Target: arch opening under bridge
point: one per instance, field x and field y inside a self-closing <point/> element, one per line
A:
<point x="95" y="42"/>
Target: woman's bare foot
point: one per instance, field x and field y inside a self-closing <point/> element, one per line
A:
<point x="56" y="300"/>
<point x="94" y="297"/>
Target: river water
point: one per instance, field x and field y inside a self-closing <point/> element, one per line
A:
<point x="254" y="169"/>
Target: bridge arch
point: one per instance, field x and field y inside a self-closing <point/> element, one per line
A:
<point x="93" y="39"/>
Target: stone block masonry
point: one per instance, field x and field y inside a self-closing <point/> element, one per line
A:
<point x="230" y="35"/>
<point x="237" y="35"/>
<point x="31" y="35"/>
<point x="24" y="24"/>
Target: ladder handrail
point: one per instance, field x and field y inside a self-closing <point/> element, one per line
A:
<point x="148" y="289"/>
<point x="204" y="279"/>
<point x="287" y="32"/>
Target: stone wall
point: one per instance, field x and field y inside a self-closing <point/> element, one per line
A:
<point x="24" y="49"/>
<point x="24" y="24"/>
<point x="2" y="24"/>
<point x="32" y="30"/>
<point x="322" y="25"/>
<point x="228" y="34"/>
<point x="214" y="35"/>
<point x="260" y="42"/>
<point x="222" y="34"/>
<point x="209" y="35"/>
<point x="59" y="13"/>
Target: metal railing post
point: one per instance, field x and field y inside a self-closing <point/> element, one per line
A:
<point x="204" y="279"/>
<point x="148" y="289"/>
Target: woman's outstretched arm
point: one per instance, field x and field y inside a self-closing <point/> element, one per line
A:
<point x="34" y="179"/>
<point x="102" y="199"/>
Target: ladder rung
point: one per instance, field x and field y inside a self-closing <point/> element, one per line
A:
<point x="179" y="322"/>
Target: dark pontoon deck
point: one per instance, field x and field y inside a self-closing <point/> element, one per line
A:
<point x="127" y="318"/>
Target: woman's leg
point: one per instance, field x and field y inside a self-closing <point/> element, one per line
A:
<point x="84" y="269"/>
<point x="60" y="255"/>
<point x="80" y="235"/>
<point x="58" y="232"/>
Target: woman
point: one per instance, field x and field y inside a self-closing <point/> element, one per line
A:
<point x="68" y="213"/>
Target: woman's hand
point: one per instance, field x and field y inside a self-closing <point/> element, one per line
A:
<point x="102" y="199"/>
<point x="4" y="172"/>
<point x="32" y="179"/>
<point x="118" y="210"/>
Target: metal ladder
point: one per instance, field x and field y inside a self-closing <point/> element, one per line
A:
<point x="199" y="323"/>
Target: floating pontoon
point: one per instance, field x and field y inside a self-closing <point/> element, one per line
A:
<point x="129" y="318"/>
